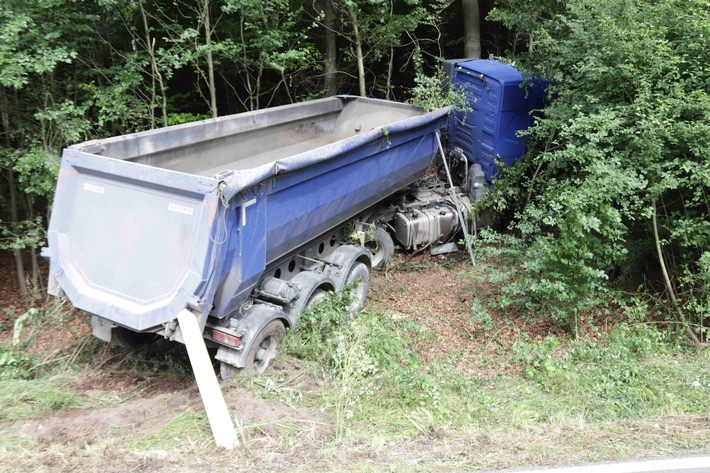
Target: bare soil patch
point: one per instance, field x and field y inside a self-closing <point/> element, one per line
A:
<point x="439" y="292"/>
<point x="134" y="417"/>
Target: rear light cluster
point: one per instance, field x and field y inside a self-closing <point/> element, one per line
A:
<point x="225" y="338"/>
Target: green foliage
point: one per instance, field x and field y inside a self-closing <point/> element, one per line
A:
<point x="22" y="235"/>
<point x="537" y="358"/>
<point x="36" y="171"/>
<point x="180" y="118"/>
<point x="24" y="48"/>
<point x="626" y="130"/>
<point x="27" y="399"/>
<point x="15" y="364"/>
<point x="316" y="326"/>
<point x="272" y="41"/>
<point x="367" y="359"/>
<point x="119" y="105"/>
<point x="431" y="93"/>
<point x="526" y="19"/>
<point x="35" y="317"/>
<point x="627" y="374"/>
<point x="479" y="314"/>
<point x="374" y="379"/>
<point x="188" y="428"/>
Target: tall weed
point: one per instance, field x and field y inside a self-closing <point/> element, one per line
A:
<point x="368" y="360"/>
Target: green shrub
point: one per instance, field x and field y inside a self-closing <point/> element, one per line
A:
<point x="617" y="167"/>
<point x="15" y="364"/>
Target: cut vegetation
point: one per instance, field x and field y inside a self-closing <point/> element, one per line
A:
<point x="436" y="373"/>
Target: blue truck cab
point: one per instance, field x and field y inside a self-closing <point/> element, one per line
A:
<point x="502" y="102"/>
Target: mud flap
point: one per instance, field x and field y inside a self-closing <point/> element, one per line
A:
<point x="212" y="398"/>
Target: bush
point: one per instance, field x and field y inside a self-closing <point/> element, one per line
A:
<point x="618" y="164"/>
<point x="15" y="364"/>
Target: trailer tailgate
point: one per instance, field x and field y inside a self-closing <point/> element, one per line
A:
<point x="131" y="243"/>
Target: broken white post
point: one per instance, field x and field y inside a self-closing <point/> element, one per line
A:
<point x="212" y="398"/>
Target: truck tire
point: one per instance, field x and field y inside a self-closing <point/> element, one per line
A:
<point x="357" y="284"/>
<point x="265" y="347"/>
<point x="312" y="287"/>
<point x="381" y="246"/>
<point x="308" y="301"/>
<point x="316" y="296"/>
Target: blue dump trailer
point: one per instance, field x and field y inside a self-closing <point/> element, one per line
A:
<point x="247" y="220"/>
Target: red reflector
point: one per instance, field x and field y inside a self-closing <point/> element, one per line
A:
<point x="225" y="338"/>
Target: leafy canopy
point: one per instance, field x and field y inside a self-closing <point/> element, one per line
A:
<point x="627" y="131"/>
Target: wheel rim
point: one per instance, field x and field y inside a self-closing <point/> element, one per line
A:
<point x="265" y="353"/>
<point x="378" y="253"/>
<point x="358" y="281"/>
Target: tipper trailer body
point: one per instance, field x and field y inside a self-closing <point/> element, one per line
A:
<point x="247" y="220"/>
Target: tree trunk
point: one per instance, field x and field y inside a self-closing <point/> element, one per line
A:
<point x="358" y="51"/>
<point x="390" y="65"/>
<point x="19" y="263"/>
<point x="247" y="73"/>
<point x="33" y="251"/>
<point x="17" y="253"/>
<point x="153" y="66"/>
<point x="472" y="29"/>
<point x="210" y="64"/>
<point x="155" y="75"/>
<point x="667" y="280"/>
<point x="331" y="51"/>
<point x="390" y="69"/>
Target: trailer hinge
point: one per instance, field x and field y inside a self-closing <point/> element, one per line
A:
<point x="196" y="304"/>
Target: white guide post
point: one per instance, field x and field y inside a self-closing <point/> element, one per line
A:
<point x="212" y="398"/>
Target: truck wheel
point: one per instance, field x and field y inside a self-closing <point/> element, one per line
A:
<point x="316" y="297"/>
<point x="357" y="283"/>
<point x="265" y="346"/>
<point x="381" y="246"/>
<point x="312" y="287"/>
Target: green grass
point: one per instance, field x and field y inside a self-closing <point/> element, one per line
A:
<point x="27" y="399"/>
<point x="387" y="392"/>
<point x="12" y="442"/>
<point x="188" y="428"/>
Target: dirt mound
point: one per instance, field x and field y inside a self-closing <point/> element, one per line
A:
<point x="149" y="405"/>
<point x="447" y="297"/>
<point x="272" y="417"/>
<point x="136" y="417"/>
